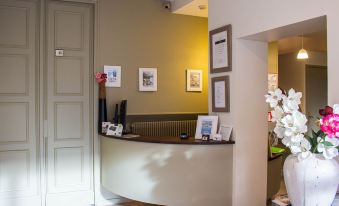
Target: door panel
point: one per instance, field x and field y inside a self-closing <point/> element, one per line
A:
<point x="19" y="168"/>
<point x="69" y="161"/>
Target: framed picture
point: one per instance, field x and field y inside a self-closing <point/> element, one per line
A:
<point x="194" y="80"/>
<point x="272" y="82"/>
<point x="221" y="49"/>
<point x="206" y="125"/>
<point x="148" y="79"/>
<point x="221" y="94"/>
<point x="225" y="131"/>
<point x="114" y="130"/>
<point x="105" y="127"/>
<point x="113" y="76"/>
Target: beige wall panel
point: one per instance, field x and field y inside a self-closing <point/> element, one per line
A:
<point x="69" y="76"/>
<point x="68" y="166"/>
<point x="69" y="120"/>
<point x="13" y="74"/>
<point x="14" y="170"/>
<point x="13" y="34"/>
<point x="69" y="30"/>
<point x="13" y="122"/>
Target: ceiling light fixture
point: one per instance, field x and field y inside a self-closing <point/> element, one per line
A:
<point x="302" y="54"/>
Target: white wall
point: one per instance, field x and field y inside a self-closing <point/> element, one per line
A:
<point x="249" y="79"/>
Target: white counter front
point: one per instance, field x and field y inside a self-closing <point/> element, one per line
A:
<point x="168" y="174"/>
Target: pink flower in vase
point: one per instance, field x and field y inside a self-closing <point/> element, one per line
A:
<point x="100" y="77"/>
<point x="330" y="125"/>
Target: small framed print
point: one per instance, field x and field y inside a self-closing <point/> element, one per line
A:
<point x="221" y="94"/>
<point x="105" y="127"/>
<point x="221" y="49"/>
<point x="115" y="130"/>
<point x="206" y="126"/>
<point x="225" y="131"/>
<point x="272" y="82"/>
<point x="148" y="79"/>
<point x="194" y="80"/>
<point x="113" y="76"/>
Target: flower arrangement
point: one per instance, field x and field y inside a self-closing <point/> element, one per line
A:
<point x="100" y="77"/>
<point x="291" y="126"/>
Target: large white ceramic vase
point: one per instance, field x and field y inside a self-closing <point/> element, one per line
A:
<point x="311" y="182"/>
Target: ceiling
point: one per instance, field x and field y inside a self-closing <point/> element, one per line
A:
<point x="316" y="41"/>
<point x="190" y="7"/>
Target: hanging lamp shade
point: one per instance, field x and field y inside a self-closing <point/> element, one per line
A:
<point x="302" y="54"/>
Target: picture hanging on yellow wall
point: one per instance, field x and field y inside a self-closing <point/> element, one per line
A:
<point x="194" y="80"/>
<point x="148" y="79"/>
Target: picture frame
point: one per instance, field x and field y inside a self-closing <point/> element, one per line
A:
<point x="114" y="130"/>
<point x="272" y="82"/>
<point x="225" y="131"/>
<point x="193" y="80"/>
<point x="113" y="76"/>
<point x="206" y="125"/>
<point x="148" y="79"/>
<point x="104" y="127"/>
<point x="220" y="41"/>
<point x="221" y="94"/>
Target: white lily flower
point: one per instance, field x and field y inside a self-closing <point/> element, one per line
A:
<point x="336" y="109"/>
<point x="300" y="121"/>
<point x="287" y="141"/>
<point x="305" y="144"/>
<point x="329" y="152"/>
<point x="277" y="114"/>
<point x="294" y="123"/>
<point x="279" y="131"/>
<point x="297" y="138"/>
<point x="292" y="101"/>
<point x="295" y="149"/>
<point x="304" y="155"/>
<point x="273" y="98"/>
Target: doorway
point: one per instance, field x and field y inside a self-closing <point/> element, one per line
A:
<point x="46" y="103"/>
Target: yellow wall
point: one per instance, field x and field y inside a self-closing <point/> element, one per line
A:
<point x="273" y="57"/>
<point x="133" y="34"/>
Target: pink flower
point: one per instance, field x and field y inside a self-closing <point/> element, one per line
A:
<point x="326" y="111"/>
<point x="330" y="125"/>
<point x="100" y="77"/>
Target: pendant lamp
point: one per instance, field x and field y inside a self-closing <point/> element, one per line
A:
<point x="302" y="54"/>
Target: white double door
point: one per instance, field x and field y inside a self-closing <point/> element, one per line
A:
<point x="46" y="155"/>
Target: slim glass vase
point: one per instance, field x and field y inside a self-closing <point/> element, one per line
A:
<point x="102" y="116"/>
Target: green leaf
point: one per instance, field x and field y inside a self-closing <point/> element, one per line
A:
<point x="328" y="144"/>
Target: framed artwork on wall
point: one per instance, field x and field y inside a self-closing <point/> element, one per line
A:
<point x="220" y="40"/>
<point x="113" y="76"/>
<point x="221" y="94"/>
<point x="148" y="79"/>
<point x="194" y="80"/>
<point x="206" y="125"/>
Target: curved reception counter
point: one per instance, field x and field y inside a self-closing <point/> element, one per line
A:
<point x="167" y="170"/>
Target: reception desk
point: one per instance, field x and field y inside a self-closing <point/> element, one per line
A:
<point x="168" y="171"/>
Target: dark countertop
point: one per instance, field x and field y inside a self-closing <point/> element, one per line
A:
<point x="170" y="140"/>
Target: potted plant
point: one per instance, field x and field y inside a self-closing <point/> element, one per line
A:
<point x="311" y="173"/>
